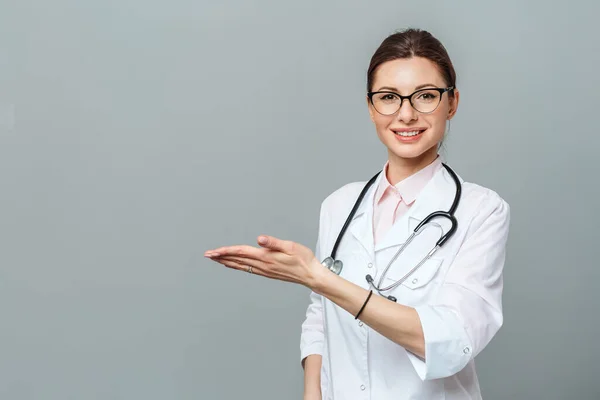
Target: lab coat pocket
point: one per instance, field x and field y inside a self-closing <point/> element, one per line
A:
<point x="418" y="286"/>
<point x="423" y="275"/>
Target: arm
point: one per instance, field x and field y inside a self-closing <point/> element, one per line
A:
<point x="441" y="336"/>
<point x="311" y="347"/>
<point x="312" y="337"/>
<point x="395" y="321"/>
<point x="445" y="334"/>
<point x="312" y="376"/>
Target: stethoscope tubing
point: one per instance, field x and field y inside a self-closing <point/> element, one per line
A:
<point x="336" y="265"/>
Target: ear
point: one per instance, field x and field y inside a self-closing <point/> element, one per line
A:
<point x="453" y="104"/>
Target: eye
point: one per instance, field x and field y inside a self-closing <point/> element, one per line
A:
<point x="427" y="96"/>
<point x="386" y="98"/>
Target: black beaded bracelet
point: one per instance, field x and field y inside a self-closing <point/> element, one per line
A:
<point x="365" y="303"/>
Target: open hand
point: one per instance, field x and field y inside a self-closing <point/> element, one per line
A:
<point x="275" y="258"/>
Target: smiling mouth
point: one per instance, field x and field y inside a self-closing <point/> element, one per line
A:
<point x="409" y="133"/>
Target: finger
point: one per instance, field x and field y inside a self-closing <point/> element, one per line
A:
<point x="245" y="268"/>
<point x="248" y="262"/>
<point x="240" y="267"/>
<point x="209" y="253"/>
<point x="241" y="251"/>
<point x="272" y="243"/>
<point x="258" y="268"/>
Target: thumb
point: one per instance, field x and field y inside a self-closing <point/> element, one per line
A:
<point x="272" y="243"/>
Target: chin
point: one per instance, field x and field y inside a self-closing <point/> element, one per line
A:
<point x="408" y="154"/>
<point x="421" y="148"/>
<point x="410" y="151"/>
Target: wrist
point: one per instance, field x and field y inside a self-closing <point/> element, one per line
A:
<point x="320" y="278"/>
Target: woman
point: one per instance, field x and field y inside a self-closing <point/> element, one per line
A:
<point x="410" y="331"/>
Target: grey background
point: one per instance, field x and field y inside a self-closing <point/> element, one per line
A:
<point x="135" y="135"/>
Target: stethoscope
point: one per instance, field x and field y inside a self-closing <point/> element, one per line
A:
<point x="336" y="266"/>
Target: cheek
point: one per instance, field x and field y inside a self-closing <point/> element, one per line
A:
<point x="437" y="121"/>
<point x="382" y="123"/>
<point x="441" y="114"/>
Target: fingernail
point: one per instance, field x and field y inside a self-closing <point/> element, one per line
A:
<point x="262" y="240"/>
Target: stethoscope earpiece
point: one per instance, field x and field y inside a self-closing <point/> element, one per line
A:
<point x="372" y="284"/>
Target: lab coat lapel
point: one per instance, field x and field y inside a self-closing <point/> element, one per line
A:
<point x="361" y="226"/>
<point x="438" y="194"/>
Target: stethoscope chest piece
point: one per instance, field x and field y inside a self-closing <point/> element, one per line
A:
<point x="334" y="266"/>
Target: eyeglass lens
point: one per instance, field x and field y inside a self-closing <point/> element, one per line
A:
<point x="425" y="101"/>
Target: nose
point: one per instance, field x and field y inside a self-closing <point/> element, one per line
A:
<point x="407" y="113"/>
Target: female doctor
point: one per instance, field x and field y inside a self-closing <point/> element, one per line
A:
<point x="389" y="318"/>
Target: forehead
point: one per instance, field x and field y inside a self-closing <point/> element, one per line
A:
<point x="407" y="73"/>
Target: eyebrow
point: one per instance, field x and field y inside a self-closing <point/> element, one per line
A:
<point x="393" y="89"/>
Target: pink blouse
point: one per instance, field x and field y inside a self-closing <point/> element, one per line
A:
<point x="392" y="201"/>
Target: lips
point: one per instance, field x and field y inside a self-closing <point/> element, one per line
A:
<point x="408" y="132"/>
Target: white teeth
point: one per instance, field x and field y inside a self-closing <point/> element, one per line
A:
<point x="407" y="134"/>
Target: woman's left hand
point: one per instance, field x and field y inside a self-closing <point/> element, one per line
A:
<point x="276" y="259"/>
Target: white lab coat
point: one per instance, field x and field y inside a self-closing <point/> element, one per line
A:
<point x="457" y="294"/>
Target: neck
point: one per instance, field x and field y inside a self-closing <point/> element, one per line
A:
<point x="401" y="168"/>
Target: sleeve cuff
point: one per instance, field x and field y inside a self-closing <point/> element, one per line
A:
<point x="447" y="347"/>
<point x="314" y="348"/>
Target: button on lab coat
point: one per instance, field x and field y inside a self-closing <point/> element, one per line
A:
<point x="457" y="294"/>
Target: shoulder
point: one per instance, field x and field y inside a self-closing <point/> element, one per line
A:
<point x="482" y="195"/>
<point x="348" y="192"/>
<point x="336" y="206"/>
<point x="342" y="199"/>
<point x="482" y="205"/>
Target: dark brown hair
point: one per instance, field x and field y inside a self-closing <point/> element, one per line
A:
<point x="412" y="43"/>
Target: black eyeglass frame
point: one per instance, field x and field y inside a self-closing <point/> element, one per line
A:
<point x="409" y="97"/>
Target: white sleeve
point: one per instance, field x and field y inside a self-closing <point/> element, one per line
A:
<point x="467" y="311"/>
<point x="312" y="336"/>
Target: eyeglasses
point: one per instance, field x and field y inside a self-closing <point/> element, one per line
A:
<point x="423" y="100"/>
